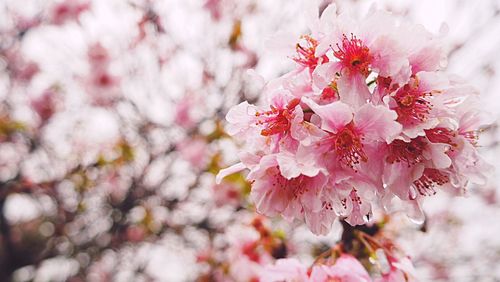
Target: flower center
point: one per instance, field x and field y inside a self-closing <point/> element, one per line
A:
<point x="441" y="135"/>
<point x="295" y="187"/>
<point x="277" y="121"/>
<point x="407" y="100"/>
<point x="348" y="146"/>
<point x="429" y="180"/>
<point x="330" y="92"/>
<point x="306" y="56"/>
<point x="354" y="55"/>
<point x="298" y="186"/>
<point x="412" y="107"/>
<point x="409" y="152"/>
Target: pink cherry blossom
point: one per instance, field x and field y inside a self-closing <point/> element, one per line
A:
<point x="285" y="270"/>
<point x="394" y="267"/>
<point x="278" y="125"/>
<point x="363" y="120"/>
<point x="277" y="190"/>
<point x="346" y="268"/>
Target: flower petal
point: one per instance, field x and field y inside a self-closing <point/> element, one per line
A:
<point x="334" y="116"/>
<point x="377" y="123"/>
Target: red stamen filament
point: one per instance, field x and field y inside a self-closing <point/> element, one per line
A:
<point x="412" y="108"/>
<point x="429" y="180"/>
<point x="276" y="120"/>
<point x="348" y="146"/>
<point x="441" y="135"/>
<point x="409" y="152"/>
<point x="354" y="55"/>
<point x="296" y="186"/>
<point x="306" y="55"/>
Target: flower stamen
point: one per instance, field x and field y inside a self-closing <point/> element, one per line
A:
<point x="276" y="121"/>
<point x="408" y="152"/>
<point x="429" y="180"/>
<point x="354" y="55"/>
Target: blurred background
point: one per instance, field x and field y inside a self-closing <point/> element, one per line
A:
<point x="112" y="129"/>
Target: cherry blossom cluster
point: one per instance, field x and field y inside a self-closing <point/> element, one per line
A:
<point x="367" y="118"/>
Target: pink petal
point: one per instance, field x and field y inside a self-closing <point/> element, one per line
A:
<point x="240" y="117"/>
<point x="428" y="58"/>
<point x="324" y="74"/>
<point x="269" y="200"/>
<point x="289" y="167"/>
<point x="311" y="199"/>
<point x="228" y="171"/>
<point x="389" y="59"/>
<point x="353" y="90"/>
<point x="259" y="171"/>
<point x="320" y="223"/>
<point x="284" y="270"/>
<point x="438" y="155"/>
<point x="333" y="116"/>
<point x="398" y="177"/>
<point x="414" y="212"/>
<point x="349" y="269"/>
<point x="377" y="123"/>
